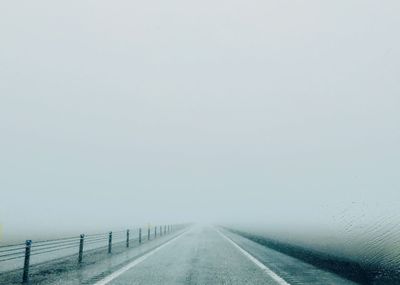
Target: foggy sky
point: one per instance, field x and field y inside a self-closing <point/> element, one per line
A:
<point x="118" y="113"/>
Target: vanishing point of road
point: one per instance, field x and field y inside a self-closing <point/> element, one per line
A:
<point x="208" y="255"/>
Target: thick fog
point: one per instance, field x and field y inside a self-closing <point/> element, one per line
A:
<point x="279" y="115"/>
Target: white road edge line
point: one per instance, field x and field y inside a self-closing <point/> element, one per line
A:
<point x="272" y="274"/>
<point x="119" y="272"/>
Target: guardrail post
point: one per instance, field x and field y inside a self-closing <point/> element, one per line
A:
<point x="148" y="233"/>
<point x="109" y="241"/>
<point x="127" y="238"/>
<point x="140" y="235"/>
<point x="160" y="230"/>
<point x="25" y="277"/>
<point x="165" y="229"/>
<point x="155" y="231"/>
<point x="80" y="255"/>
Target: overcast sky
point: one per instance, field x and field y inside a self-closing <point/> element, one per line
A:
<point x="117" y="113"/>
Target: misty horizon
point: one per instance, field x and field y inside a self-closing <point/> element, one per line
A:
<point x="281" y="117"/>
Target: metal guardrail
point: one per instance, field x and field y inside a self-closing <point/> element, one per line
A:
<point x="25" y="251"/>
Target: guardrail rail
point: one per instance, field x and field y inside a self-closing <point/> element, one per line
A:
<point x="20" y="255"/>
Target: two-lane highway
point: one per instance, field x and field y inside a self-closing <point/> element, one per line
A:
<point x="206" y="255"/>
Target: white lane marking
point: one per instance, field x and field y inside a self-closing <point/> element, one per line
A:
<point x="117" y="273"/>
<point x="272" y="274"/>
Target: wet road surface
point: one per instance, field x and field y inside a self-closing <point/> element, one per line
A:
<point x="194" y="255"/>
<point x="206" y="255"/>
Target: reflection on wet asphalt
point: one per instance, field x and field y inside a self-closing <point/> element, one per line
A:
<point x="199" y="255"/>
<point x="202" y="256"/>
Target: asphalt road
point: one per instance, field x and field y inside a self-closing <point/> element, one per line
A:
<point x="206" y="255"/>
<point x="195" y="255"/>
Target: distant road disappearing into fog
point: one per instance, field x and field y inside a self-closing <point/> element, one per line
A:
<point x="196" y="254"/>
<point x="206" y="255"/>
